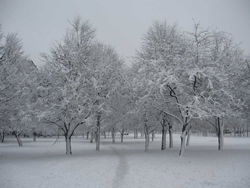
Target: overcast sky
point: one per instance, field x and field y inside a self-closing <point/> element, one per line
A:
<point x="119" y="23"/>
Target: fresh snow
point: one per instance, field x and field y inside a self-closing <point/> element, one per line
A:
<point x="44" y="165"/>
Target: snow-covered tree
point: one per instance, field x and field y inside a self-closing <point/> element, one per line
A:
<point x="66" y="91"/>
<point x="17" y="82"/>
<point x="106" y="68"/>
<point x="189" y="70"/>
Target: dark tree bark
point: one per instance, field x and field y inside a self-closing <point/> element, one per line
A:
<point x="68" y="144"/>
<point x="136" y="133"/>
<point x="91" y="137"/>
<point x="17" y="135"/>
<point x="164" y="137"/>
<point x="146" y="132"/>
<point x="98" y="132"/>
<point x="34" y="136"/>
<point x="153" y="135"/>
<point x="104" y="134"/>
<point x="95" y="136"/>
<point x="188" y="135"/>
<point x="170" y="128"/>
<point x="113" y="135"/>
<point x="183" y="138"/>
<point x="247" y="129"/>
<point x="122" y="134"/>
<point x="2" y="136"/>
<point x="87" y="135"/>
<point x="220" y="125"/>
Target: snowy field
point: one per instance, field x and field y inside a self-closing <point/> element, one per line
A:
<point x="43" y="165"/>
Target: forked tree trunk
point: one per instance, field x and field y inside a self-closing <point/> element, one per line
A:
<point x="68" y="144"/>
<point x="113" y="135"/>
<point x="163" y="134"/>
<point x="170" y="128"/>
<point x="98" y="132"/>
<point x="17" y="135"/>
<point x="220" y="125"/>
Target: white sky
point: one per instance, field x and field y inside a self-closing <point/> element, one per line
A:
<point x="119" y="23"/>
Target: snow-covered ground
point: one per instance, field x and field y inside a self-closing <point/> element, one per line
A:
<point x="43" y="165"/>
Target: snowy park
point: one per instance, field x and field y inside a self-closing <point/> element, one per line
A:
<point x="41" y="164"/>
<point x="128" y="94"/>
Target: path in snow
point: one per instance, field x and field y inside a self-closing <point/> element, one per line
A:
<point x="121" y="170"/>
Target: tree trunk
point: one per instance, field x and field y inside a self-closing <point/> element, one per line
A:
<point x="183" y="139"/>
<point x="91" y="137"/>
<point x="142" y="133"/>
<point x="220" y="126"/>
<point x="68" y="144"/>
<point x="87" y="135"/>
<point x="95" y="137"/>
<point x="18" y="139"/>
<point x="188" y="135"/>
<point x="104" y="133"/>
<point x="136" y="133"/>
<point x="247" y="130"/>
<point x="163" y="134"/>
<point x="170" y="128"/>
<point x="122" y="134"/>
<point x="2" y="137"/>
<point x="113" y="135"/>
<point x="98" y="132"/>
<point x="153" y="135"/>
<point x="234" y="131"/>
<point x="83" y="135"/>
<point x="34" y="137"/>
<point x="146" y="133"/>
